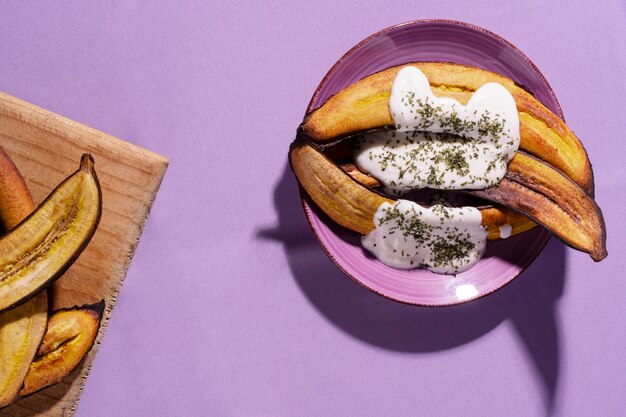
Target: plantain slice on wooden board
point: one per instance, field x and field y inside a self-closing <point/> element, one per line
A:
<point x="554" y="201"/>
<point x="21" y="328"/>
<point x="345" y="201"/>
<point x="364" y="105"/>
<point x="71" y="334"/>
<point x="46" y="243"/>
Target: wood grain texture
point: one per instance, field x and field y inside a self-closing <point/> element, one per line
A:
<point x="47" y="148"/>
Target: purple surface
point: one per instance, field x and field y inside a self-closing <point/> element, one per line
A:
<point x="230" y="308"/>
<point x="444" y="41"/>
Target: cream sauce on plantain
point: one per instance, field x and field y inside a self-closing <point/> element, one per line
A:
<point x="437" y="143"/>
<point x="505" y="231"/>
<point x="445" y="240"/>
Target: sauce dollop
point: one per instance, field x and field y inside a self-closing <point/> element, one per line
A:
<point x="445" y="240"/>
<point x="438" y="142"/>
<point x="505" y="231"/>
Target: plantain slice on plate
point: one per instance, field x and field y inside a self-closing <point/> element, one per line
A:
<point x="364" y="105"/>
<point x="353" y="205"/>
<point x="494" y="217"/>
<point x="553" y="200"/>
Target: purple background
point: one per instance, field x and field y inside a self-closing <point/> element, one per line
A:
<point x="230" y="308"/>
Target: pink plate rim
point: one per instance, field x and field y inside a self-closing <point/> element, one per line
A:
<point x="419" y="22"/>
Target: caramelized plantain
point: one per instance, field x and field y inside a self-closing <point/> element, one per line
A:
<point x="22" y="327"/>
<point x="547" y="196"/>
<point x="353" y="206"/>
<point x="71" y="334"/>
<point x="364" y="105"/>
<point x="493" y="217"/>
<point x="45" y="244"/>
<point x="552" y="200"/>
<point x="346" y="202"/>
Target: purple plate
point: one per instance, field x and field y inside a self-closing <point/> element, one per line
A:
<point x="430" y="40"/>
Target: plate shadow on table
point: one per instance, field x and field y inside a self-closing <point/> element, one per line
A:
<point x="529" y="302"/>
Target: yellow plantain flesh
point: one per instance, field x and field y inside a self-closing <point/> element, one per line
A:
<point x="70" y="335"/>
<point x="45" y="244"/>
<point x="364" y="105"/>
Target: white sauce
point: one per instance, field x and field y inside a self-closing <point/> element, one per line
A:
<point x="445" y="240"/>
<point x="440" y="143"/>
<point x="437" y="143"/>
<point x="505" y="231"/>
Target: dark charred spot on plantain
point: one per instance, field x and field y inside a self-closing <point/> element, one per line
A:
<point x="523" y="87"/>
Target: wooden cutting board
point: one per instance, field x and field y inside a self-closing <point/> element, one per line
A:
<point x="47" y="148"/>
